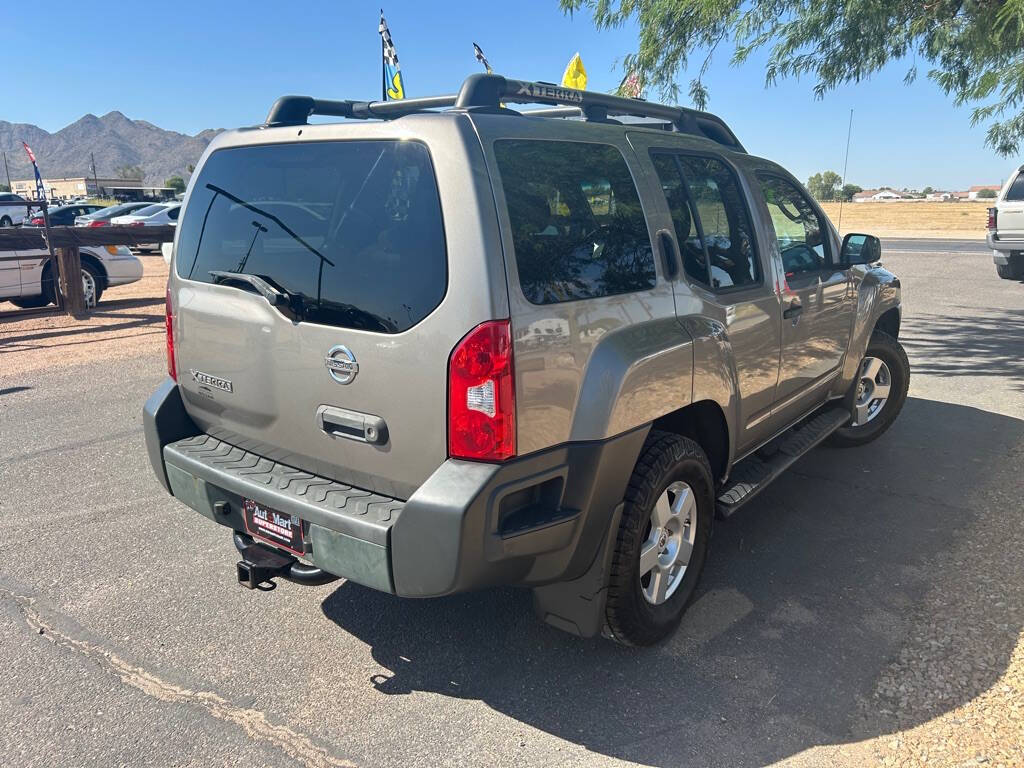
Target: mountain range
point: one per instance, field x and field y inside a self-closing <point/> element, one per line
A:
<point x="114" y="140"/>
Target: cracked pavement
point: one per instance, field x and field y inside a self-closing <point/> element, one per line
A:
<point x="866" y="609"/>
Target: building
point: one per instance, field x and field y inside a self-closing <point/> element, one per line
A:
<point x="876" y="195"/>
<point x="972" y="193"/>
<point x="82" y="186"/>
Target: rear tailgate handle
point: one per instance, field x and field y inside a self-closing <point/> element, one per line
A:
<point x="352" y="425"/>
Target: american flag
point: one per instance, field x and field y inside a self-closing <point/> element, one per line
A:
<point x="31" y="155"/>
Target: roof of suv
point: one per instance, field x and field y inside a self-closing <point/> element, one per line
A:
<point x="489" y="93"/>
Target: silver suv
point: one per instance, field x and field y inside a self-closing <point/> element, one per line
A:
<point x="447" y="344"/>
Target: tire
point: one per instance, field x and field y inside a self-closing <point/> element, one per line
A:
<point x="667" y="461"/>
<point x="5" y="221"/>
<point x="1012" y="271"/>
<point x="97" y="279"/>
<point x="890" y="352"/>
<point x="31" y="302"/>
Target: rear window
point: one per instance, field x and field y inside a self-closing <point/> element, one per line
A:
<point x="577" y="225"/>
<point x="1016" y="191"/>
<point x="149" y="210"/>
<point x="352" y="229"/>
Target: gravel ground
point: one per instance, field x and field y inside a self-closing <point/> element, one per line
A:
<point x="866" y="610"/>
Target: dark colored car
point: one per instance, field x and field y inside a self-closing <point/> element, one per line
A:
<point x="65" y="215"/>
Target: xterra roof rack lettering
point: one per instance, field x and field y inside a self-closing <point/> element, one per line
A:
<point x="571" y="337"/>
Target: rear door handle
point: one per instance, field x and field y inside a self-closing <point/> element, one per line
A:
<point x="794" y="310"/>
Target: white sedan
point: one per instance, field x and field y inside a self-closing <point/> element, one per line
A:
<point x="156" y="215"/>
<point x="26" y="277"/>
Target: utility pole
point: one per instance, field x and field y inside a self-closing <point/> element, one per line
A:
<point x="8" y="170"/>
<point x="95" y="181"/>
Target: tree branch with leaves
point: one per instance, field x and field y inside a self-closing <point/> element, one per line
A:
<point x="973" y="49"/>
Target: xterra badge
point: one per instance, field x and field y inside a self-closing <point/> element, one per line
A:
<point x="211" y="381"/>
<point x="341" y="364"/>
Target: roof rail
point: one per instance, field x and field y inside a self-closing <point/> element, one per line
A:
<point x="488" y="92"/>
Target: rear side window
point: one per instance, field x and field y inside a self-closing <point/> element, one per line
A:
<point x="577" y="225"/>
<point x="1016" y="191"/>
<point x="352" y="229"/>
<point x="717" y="241"/>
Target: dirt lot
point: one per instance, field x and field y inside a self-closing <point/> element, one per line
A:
<point x="129" y="321"/>
<point x="917" y="219"/>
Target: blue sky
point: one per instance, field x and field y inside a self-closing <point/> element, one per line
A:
<point x="191" y="65"/>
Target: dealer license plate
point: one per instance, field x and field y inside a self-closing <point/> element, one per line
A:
<point x="277" y="528"/>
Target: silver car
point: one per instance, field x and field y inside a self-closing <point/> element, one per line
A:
<point x="437" y="351"/>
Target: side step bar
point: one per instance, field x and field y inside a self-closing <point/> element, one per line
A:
<point x="752" y="475"/>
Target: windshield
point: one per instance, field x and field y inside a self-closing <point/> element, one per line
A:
<point x="352" y="231"/>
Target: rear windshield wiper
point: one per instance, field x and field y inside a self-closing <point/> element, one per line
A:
<point x="276" y="297"/>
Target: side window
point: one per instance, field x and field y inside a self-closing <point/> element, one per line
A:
<point x="724" y="222"/>
<point x="800" y="232"/>
<point x="1015" y="193"/>
<point x="173" y="214"/>
<point x="690" y="245"/>
<point x="578" y="229"/>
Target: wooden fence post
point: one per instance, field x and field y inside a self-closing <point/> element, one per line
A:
<point x="70" y="268"/>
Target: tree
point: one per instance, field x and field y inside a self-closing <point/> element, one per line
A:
<point x="176" y="183"/>
<point x="986" y="194"/>
<point x="823" y="185"/>
<point x="4" y="188"/>
<point x="848" y="191"/>
<point x="974" y="48"/>
<point x="927" y="191"/>
<point x="131" y="172"/>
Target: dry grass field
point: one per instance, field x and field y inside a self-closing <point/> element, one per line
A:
<point x="914" y="219"/>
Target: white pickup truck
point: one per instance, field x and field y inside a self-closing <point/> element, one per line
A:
<point x="1006" y="228"/>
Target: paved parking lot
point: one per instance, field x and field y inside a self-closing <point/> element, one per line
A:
<point x="867" y="607"/>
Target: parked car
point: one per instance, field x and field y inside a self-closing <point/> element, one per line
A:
<point x="26" y="276"/>
<point x="1006" y="228"/>
<point x="64" y="215"/>
<point x="12" y="209"/>
<point x="101" y="218"/>
<point x="155" y="215"/>
<point x="517" y="349"/>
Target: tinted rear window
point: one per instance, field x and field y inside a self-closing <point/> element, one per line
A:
<point x="577" y="226"/>
<point x="352" y="228"/>
<point x="1016" y="191"/>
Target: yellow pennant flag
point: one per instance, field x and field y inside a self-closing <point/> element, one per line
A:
<point x="575" y="75"/>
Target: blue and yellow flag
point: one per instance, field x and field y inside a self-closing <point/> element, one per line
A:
<point x="392" y="86"/>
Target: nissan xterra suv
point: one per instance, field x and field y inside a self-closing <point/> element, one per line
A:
<point x="446" y="344"/>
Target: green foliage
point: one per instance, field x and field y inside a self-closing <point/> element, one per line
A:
<point x="974" y="48"/>
<point x="987" y="194"/>
<point x="824" y="185"/>
<point x="848" y="191"/>
<point x="927" y="191"/>
<point x="4" y="188"/>
<point x="176" y="183"/>
<point x="131" y="172"/>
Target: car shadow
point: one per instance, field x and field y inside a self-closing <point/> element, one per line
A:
<point x="810" y="591"/>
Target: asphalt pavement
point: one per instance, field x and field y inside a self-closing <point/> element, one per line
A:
<point x="124" y="639"/>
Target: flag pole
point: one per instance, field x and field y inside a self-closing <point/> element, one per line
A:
<point x="846" y="163"/>
<point x="383" y="67"/>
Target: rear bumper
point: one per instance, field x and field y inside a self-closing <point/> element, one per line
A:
<point x="1001" y="249"/>
<point x="535" y="520"/>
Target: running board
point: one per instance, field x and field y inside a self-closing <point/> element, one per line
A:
<point x="756" y="472"/>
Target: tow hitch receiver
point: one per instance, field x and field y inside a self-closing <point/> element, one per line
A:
<point x="260" y="564"/>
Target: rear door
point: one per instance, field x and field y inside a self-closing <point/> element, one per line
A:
<point x="723" y="277"/>
<point x="358" y="234"/>
<point x="1010" y="216"/>
<point x="818" y="298"/>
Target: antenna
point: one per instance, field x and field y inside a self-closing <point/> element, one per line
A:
<point x="846" y="162"/>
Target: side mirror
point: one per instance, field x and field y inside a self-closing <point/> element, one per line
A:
<point x="860" y="249"/>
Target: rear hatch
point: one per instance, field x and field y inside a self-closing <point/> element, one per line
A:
<point x="315" y="307"/>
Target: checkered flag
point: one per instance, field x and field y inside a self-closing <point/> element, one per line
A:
<point x="392" y="86"/>
<point x="481" y="58"/>
<point x="388" y="50"/>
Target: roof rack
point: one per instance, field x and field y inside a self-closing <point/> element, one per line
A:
<point x="482" y="92"/>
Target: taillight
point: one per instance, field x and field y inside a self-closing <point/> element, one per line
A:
<point x="482" y="395"/>
<point x="97" y="223"/>
<point x="38" y="221"/>
<point x="172" y="365"/>
<point x="992" y="218"/>
<point x="135" y="224"/>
